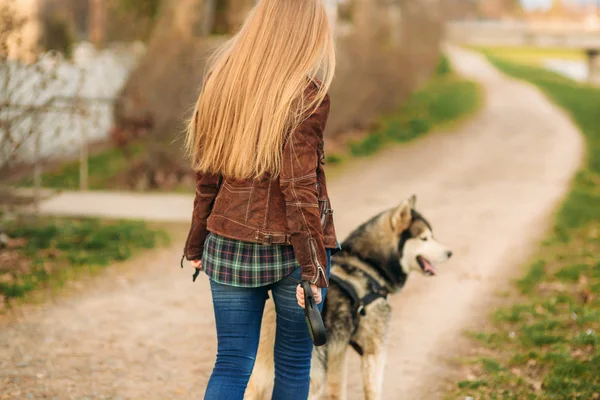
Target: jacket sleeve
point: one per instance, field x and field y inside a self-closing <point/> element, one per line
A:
<point x="298" y="182"/>
<point x="207" y="186"/>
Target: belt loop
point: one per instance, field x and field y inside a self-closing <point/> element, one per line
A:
<point x="267" y="239"/>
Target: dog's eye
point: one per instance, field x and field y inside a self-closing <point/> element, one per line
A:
<point x="424" y="238"/>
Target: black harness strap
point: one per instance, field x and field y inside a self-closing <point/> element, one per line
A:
<point x="346" y="288"/>
<point x="375" y="291"/>
<point x="350" y="292"/>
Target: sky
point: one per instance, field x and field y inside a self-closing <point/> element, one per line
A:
<point x="545" y="4"/>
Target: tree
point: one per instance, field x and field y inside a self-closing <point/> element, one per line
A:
<point x="29" y="102"/>
<point x="97" y="22"/>
<point x="141" y="8"/>
<point x="499" y="8"/>
<point x="459" y="9"/>
<point x="18" y="115"/>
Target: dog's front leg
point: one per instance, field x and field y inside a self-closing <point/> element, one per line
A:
<point x="372" y="365"/>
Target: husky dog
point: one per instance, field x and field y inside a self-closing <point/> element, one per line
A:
<point x="375" y="261"/>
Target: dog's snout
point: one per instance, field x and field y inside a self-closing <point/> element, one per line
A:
<point x="449" y="253"/>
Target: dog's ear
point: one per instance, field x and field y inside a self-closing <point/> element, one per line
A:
<point x="413" y="201"/>
<point x="402" y="216"/>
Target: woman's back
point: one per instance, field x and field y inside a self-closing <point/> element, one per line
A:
<point x="262" y="218"/>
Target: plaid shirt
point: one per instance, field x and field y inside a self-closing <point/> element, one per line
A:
<point x="243" y="264"/>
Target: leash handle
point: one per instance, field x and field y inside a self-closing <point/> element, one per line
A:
<point x="314" y="321"/>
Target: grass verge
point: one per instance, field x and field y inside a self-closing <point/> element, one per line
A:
<point x="534" y="56"/>
<point x="546" y="345"/>
<point x="104" y="167"/>
<point x="447" y="98"/>
<point x="46" y="252"/>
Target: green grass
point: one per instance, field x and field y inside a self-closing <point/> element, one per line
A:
<point x="45" y="252"/>
<point x="103" y="168"/>
<point x="445" y="99"/>
<point x="443" y="68"/>
<point x="533" y="56"/>
<point x="547" y="345"/>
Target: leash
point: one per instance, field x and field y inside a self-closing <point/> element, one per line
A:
<point x="196" y="273"/>
<point x="314" y="321"/>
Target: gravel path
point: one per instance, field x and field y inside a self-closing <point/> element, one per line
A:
<point x="146" y="332"/>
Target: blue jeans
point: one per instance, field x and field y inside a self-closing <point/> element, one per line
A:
<point x="238" y="316"/>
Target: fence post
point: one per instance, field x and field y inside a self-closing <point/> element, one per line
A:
<point x="593" y="59"/>
<point x="83" y="162"/>
<point x="208" y="17"/>
<point x="37" y="173"/>
<point x="97" y="22"/>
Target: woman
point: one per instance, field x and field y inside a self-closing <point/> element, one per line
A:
<point x="261" y="218"/>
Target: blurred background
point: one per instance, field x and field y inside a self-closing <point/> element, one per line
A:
<point x="118" y="77"/>
<point x="94" y="96"/>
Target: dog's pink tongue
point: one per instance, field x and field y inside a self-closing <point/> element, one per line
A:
<point x="428" y="267"/>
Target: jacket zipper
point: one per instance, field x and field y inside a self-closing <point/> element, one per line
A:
<point x="320" y="270"/>
<point x="324" y="212"/>
<point x="325" y="207"/>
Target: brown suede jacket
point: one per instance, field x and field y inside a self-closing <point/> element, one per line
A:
<point x="293" y="208"/>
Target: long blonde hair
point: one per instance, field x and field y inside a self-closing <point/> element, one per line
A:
<point x="254" y="93"/>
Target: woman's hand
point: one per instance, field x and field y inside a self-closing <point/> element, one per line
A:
<point x="197" y="264"/>
<point x="300" y="294"/>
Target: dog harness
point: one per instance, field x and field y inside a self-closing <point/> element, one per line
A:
<point x="374" y="291"/>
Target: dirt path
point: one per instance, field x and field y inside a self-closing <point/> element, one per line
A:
<point x="172" y="207"/>
<point x="146" y="332"/>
